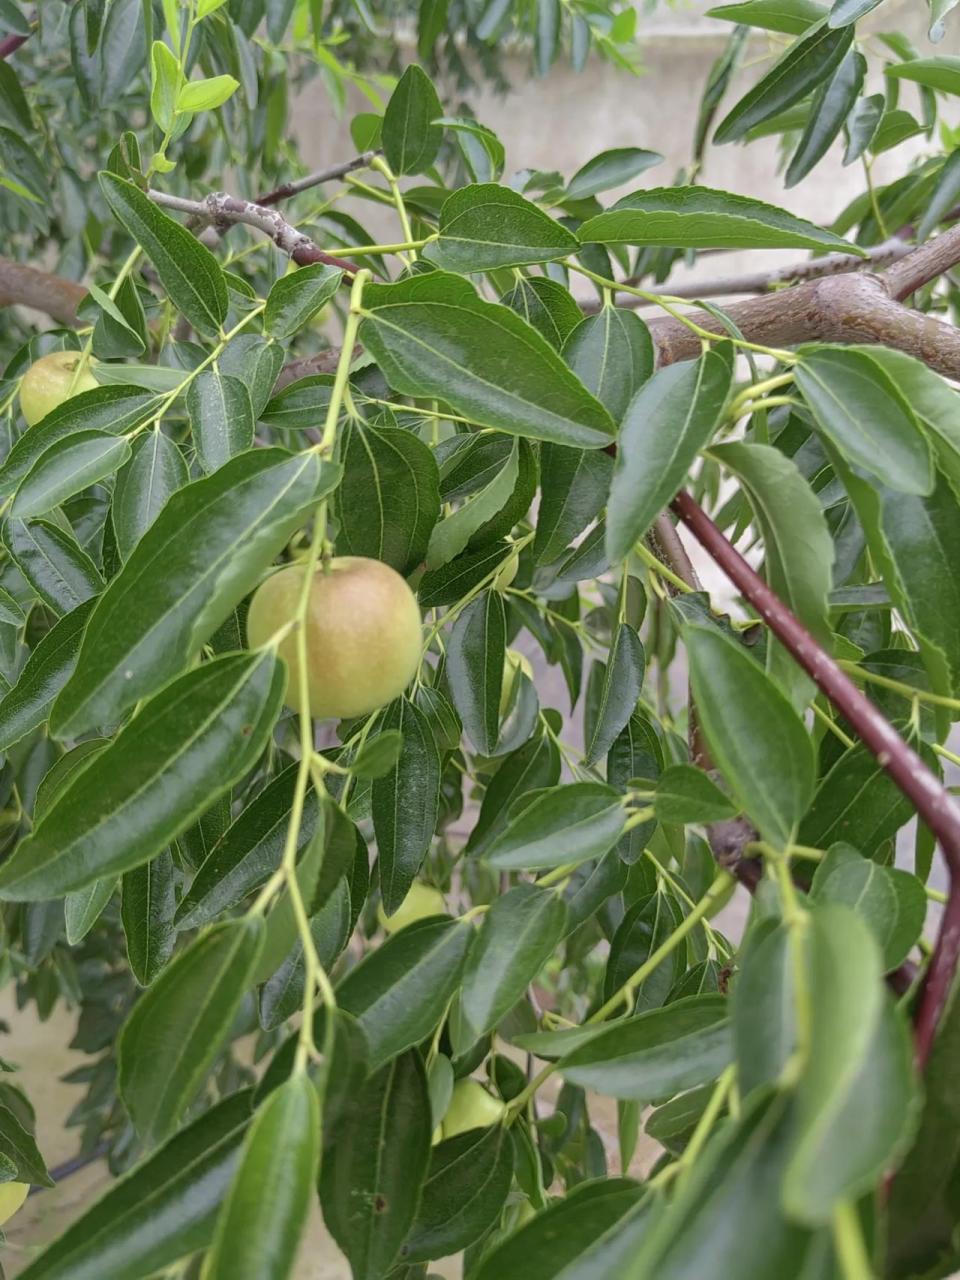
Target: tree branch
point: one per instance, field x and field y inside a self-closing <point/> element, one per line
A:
<point x="923" y="265"/>
<point x="54" y="295"/>
<point x="924" y="790"/>
<point x="288" y="189"/>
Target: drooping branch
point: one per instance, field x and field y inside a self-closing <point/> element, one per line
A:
<point x="931" y="800"/>
<point x="221" y="210"/>
<point x="54" y="295"/>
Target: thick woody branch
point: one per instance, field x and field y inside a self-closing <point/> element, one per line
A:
<point x="932" y="802"/>
<point x="53" y="295"/>
<point x="221" y="210"/>
<point x="927" y="263"/>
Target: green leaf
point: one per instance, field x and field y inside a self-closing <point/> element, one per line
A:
<point x="857" y="1098"/>
<point x="19" y="1147"/>
<point x="944" y="197"/>
<point x="47" y="669"/>
<point x="178" y="1027"/>
<point x="147" y="906"/>
<point x="154" y="472"/>
<point x="858" y="407"/>
<point x="547" y="35"/>
<point x="165" y="77"/>
<point x="188" y="271"/>
<point x="798" y="548"/>
<point x="545" y="305"/>
<point x="536" y="764"/>
<point x="205" y="95"/>
<point x="263" y="1217"/>
<point x="862" y="125"/>
<point x="610" y="169"/>
<point x="612" y="355"/>
<point x="938" y="12"/>
<point x="450" y="536"/>
<point x="685" y="794"/>
<point x="66" y="468"/>
<point x="620" y="692"/>
<point x="648" y="923"/>
<point x="791" y="17"/>
<point x="846" y="11"/>
<point x="463" y="1195"/>
<point x="759" y="742"/>
<point x="380" y="1159"/>
<point x="670" y="419"/>
<point x="517" y="937"/>
<point x="703" y="218"/>
<point x="658" y="1053"/>
<point x="63" y="576"/>
<point x="891" y="902"/>
<point x="162" y="1210"/>
<point x="400" y="992"/>
<point x="575" y="1238"/>
<point x="83" y="909"/>
<point x="485" y="226"/>
<point x="475" y="658"/>
<point x="187" y="746"/>
<point x="300" y="406"/>
<point x="410" y="139"/>
<point x="856" y="801"/>
<point x="830" y="109"/>
<point x="800" y="68"/>
<point x="434" y="337"/>
<point x="573" y="490"/>
<point x="935" y="73"/>
<point x="636" y="754"/>
<point x="405" y="803"/>
<point x="247" y="853"/>
<point x="297" y="297"/>
<point x="221" y="417"/>
<point x="557" y="825"/>
<point x="764" y="1010"/>
<point x="389" y="499"/>
<point x="378" y="756"/>
<point x="203" y="554"/>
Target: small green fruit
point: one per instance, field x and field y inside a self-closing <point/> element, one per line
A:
<point x="50" y="381"/>
<point x="507" y="572"/>
<point x="422" y="901"/>
<point x="471" y="1107"/>
<point x="364" y="634"/>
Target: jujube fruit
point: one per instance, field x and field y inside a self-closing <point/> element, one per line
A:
<point x="50" y="381"/>
<point x="12" y="1196"/>
<point x="422" y="901"/>
<point x="471" y="1107"/>
<point x="364" y="634"/>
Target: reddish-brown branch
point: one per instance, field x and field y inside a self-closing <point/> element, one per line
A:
<point x="928" y="796"/>
<point x="10" y="44"/>
<point x="288" y="189"/>
<point x="54" y="295"/>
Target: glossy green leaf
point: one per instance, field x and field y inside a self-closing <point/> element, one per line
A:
<point x="410" y="138"/>
<point x="857" y="801"/>
<point x="162" y="1210"/>
<point x="474" y="669"/>
<point x="517" y="936"/>
<point x="433" y="336"/>
<point x="612" y="355"/>
<point x="179" y="1025"/>
<point x="148" y="902"/>
<point x="770" y="768"/>
<point x="68" y="466"/>
<point x="801" y="68"/>
<point x="574" y="486"/>
<point x="19" y="1147"/>
<point x="188" y="271"/>
<point x="534" y="765"/>
<point x="463" y="1195"/>
<point x="891" y="902"/>
<point x="297" y="297"/>
<point x="636" y="754"/>
<point x="941" y="73"/>
<point x="846" y="11"/>
<point x="449" y="538"/>
<point x="557" y="825"/>
<point x="545" y="305"/>
<point x="685" y="794"/>
<point x="301" y="405"/>
<point x="388" y="501"/>
<point x="670" y="419"/>
<point x="187" y="746"/>
<point x="83" y="908"/>
<point x="791" y="17"/>
<point x="49" y="666"/>
<point x="704" y="218"/>
<point x="155" y="471"/>
<point x="610" y="169"/>
<point x="859" y="408"/>
<point x="62" y="575"/>
<point x="399" y="992"/>
<point x="656" y="1054"/>
<point x="405" y="803"/>
<point x="221" y="417"/>
<point x="620" y="691"/>
<point x="645" y="927"/>
<point x="207" y="94"/>
<point x="862" y="125"/>
<point x="832" y="105"/>
<point x="380" y="1159"/>
<point x="764" y="1010"/>
<point x="485" y="226"/>
<point x="281" y="996"/>
<point x="263" y="1217"/>
<point x="213" y="540"/>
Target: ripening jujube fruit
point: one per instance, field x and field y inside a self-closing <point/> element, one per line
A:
<point x="50" y="381"/>
<point x="422" y="901"/>
<point x="471" y="1107"/>
<point x="364" y="634"/>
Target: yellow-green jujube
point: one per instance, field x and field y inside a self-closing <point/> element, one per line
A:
<point x="364" y="634"/>
<point x="50" y="381"/>
<point x="422" y="901"/>
<point x="12" y="1196"/>
<point x="471" y="1107"/>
